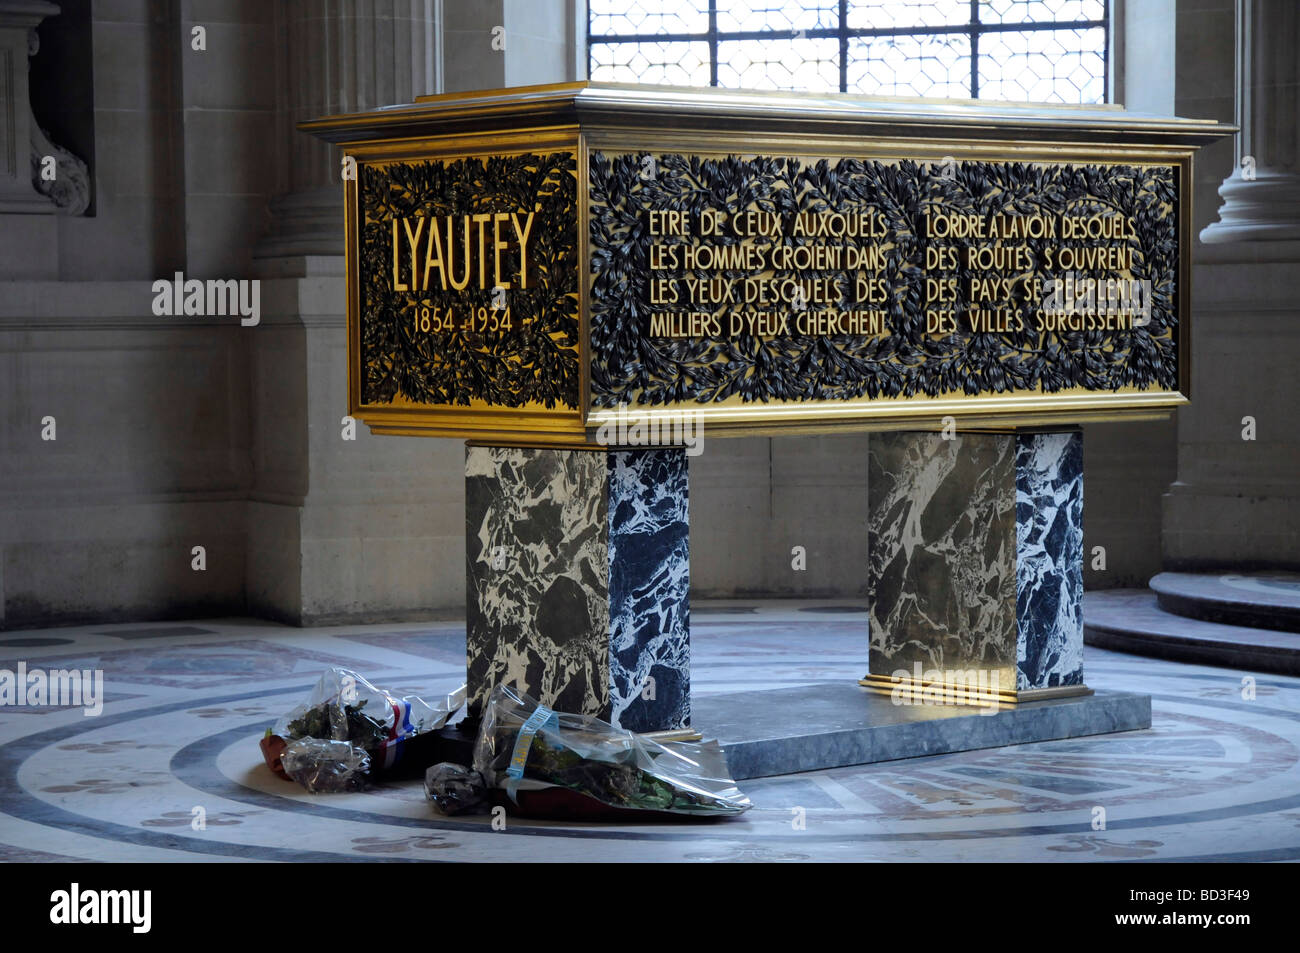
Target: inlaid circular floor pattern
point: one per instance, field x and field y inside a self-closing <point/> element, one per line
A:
<point x="172" y="770"/>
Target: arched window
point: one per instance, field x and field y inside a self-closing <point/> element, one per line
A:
<point x="1013" y="50"/>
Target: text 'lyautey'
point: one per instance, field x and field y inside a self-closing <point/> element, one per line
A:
<point x="445" y="252"/>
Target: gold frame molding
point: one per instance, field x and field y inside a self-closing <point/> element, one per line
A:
<point x="585" y="117"/>
<point x="541" y="425"/>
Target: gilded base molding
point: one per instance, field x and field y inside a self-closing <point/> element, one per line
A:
<point x="680" y="734"/>
<point x="957" y="692"/>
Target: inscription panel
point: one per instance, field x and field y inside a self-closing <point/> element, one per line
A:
<point x="468" y="282"/>
<point x="752" y="280"/>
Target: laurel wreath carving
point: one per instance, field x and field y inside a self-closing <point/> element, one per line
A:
<point x="537" y="361"/>
<point x="629" y="366"/>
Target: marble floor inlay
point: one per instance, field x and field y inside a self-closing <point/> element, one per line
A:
<point x="1217" y="777"/>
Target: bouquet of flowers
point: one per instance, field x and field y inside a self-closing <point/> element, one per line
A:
<point x="349" y="729"/>
<point x="534" y="754"/>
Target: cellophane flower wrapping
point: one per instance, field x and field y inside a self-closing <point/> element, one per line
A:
<point x="524" y="746"/>
<point x="326" y="766"/>
<point x="345" y="707"/>
<point x="455" y="789"/>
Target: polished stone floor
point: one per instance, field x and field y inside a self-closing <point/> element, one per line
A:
<point x="1217" y="777"/>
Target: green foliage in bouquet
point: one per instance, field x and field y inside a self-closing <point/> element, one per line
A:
<point x="620" y="783"/>
<point x="363" y="731"/>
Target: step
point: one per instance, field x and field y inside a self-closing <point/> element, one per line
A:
<point x="1131" y="620"/>
<point x="1261" y="600"/>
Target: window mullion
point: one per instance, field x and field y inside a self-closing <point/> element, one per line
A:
<point x="713" y="42"/>
<point x="844" y="46"/>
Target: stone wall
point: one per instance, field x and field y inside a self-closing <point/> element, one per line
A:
<point x="151" y="414"/>
<point x="1235" y="503"/>
<point x="179" y="432"/>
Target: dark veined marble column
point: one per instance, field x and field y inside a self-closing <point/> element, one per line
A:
<point x="975" y="551"/>
<point x="577" y="570"/>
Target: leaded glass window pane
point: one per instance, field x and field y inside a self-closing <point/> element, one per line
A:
<point x="1013" y="50"/>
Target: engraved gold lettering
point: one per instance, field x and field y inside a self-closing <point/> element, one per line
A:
<point x="412" y="241"/>
<point x="497" y="245"/>
<point x="451" y="263"/>
<point x="522" y="235"/>
<point x="397" y="283"/>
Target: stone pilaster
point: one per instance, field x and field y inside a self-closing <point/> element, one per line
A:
<point x="1261" y="198"/>
<point x="338" y="58"/>
<point x="18" y="22"/>
<point x="1235" y="504"/>
<point x="343" y="525"/>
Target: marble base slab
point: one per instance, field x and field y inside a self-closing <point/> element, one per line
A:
<point x="832" y="725"/>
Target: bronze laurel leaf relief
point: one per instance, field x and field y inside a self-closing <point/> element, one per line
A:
<point x="469" y="281"/>
<point x="635" y="360"/>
